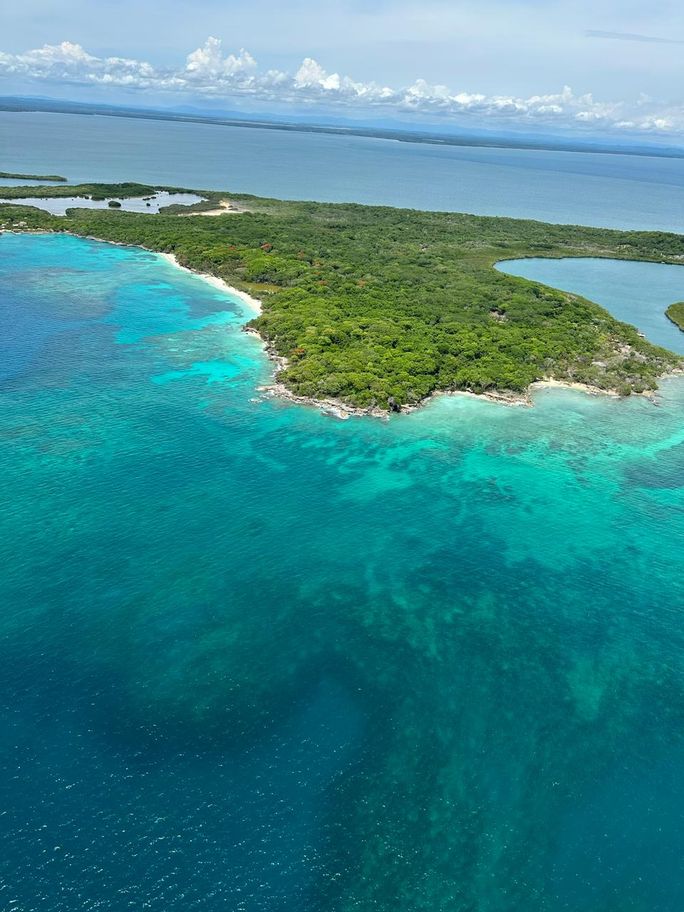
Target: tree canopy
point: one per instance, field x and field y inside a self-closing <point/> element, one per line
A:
<point x="380" y="307"/>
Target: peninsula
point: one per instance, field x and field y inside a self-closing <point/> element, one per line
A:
<point x="675" y="313"/>
<point x="378" y="308"/>
<point x="9" y="175"/>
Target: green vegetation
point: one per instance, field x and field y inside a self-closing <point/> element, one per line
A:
<point x="32" y="177"/>
<point x="381" y="307"/>
<point x="675" y="312"/>
<point x="93" y="191"/>
<point x="205" y="205"/>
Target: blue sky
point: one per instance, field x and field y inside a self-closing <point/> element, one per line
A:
<point x="602" y="66"/>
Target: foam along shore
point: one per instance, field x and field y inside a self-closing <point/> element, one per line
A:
<point x="507" y="398"/>
<point x="251" y="304"/>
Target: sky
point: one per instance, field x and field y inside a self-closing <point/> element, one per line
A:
<point x="607" y="66"/>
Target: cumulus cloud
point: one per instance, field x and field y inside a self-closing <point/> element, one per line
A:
<point x="209" y="72"/>
<point x="208" y="61"/>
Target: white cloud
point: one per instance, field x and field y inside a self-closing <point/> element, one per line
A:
<point x="311" y="74"/>
<point x="208" y="61"/>
<point x="67" y="62"/>
<point x="210" y="73"/>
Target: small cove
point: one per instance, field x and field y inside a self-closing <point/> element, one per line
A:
<point x="633" y="291"/>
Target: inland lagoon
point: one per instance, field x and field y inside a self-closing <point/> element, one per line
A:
<point x="638" y="293"/>
<point x="147" y="205"/>
<point x="255" y="658"/>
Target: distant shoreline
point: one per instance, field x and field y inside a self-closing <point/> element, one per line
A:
<point x="48" y="178"/>
<point x="21" y="105"/>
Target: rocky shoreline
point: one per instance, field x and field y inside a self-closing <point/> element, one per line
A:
<point x="337" y="407"/>
<point x="342" y="410"/>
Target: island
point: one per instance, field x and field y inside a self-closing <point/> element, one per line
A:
<point x="376" y="309"/>
<point x="675" y="313"/>
<point x="125" y="190"/>
<point x="9" y="175"/>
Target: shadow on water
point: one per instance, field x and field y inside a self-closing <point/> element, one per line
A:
<point x="120" y="809"/>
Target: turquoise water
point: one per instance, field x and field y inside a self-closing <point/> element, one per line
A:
<point x="638" y="293"/>
<point x="615" y="191"/>
<point x="254" y="658"/>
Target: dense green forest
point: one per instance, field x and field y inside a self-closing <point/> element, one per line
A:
<point x="675" y="312"/>
<point x="9" y="175"/>
<point x="382" y="307"/>
<point x="92" y="191"/>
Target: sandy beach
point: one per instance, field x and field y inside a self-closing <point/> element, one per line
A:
<point x="225" y="207"/>
<point x="253" y="304"/>
<point x="342" y="410"/>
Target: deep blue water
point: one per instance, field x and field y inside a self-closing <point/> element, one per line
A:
<point x="621" y="191"/>
<point x="254" y="658"/>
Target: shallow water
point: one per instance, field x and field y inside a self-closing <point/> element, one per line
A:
<point x="614" y="191"/>
<point x="254" y="658"/>
<point x="146" y="205"/>
<point x="11" y="182"/>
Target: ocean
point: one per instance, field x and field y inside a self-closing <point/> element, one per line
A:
<point x="255" y="658"/>
<point x="614" y="191"/>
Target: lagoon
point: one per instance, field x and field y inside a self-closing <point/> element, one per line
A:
<point x="58" y="205"/>
<point x="634" y="292"/>
<point x="256" y="658"/>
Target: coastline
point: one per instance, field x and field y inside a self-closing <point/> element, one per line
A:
<point x="342" y="410"/>
<point x="253" y="304"/>
<point x="508" y="398"/>
<point x="337" y="407"/>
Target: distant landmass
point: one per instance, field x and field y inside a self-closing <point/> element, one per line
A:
<point x="481" y="140"/>
<point x="14" y="175"/>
